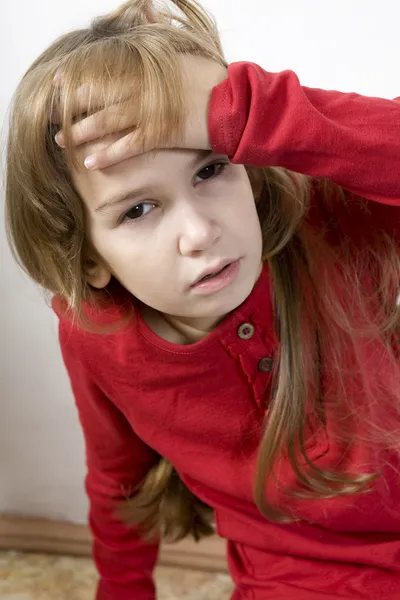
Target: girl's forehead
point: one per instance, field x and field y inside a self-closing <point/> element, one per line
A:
<point x="155" y="168"/>
<point x="152" y="160"/>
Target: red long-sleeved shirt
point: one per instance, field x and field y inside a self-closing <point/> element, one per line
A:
<point x="202" y="405"/>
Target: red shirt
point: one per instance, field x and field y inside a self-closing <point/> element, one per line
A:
<point x="201" y="406"/>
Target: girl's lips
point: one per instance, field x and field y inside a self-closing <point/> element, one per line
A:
<point x="215" y="269"/>
<point x="220" y="281"/>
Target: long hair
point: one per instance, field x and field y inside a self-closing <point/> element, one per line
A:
<point x="131" y="55"/>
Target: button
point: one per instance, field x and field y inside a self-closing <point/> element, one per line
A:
<point x="266" y="364"/>
<point x="246" y="331"/>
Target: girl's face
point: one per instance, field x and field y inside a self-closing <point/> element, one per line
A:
<point x="160" y="219"/>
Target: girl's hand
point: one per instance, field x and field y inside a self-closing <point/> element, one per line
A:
<point x="200" y="75"/>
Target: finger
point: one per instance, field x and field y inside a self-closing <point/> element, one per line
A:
<point x="87" y="97"/>
<point x="126" y="147"/>
<point x="79" y="105"/>
<point x="109" y="120"/>
<point x="84" y="97"/>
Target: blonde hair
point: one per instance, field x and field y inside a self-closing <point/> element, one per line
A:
<point x="138" y="47"/>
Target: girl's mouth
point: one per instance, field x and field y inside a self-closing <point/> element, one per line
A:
<point x="214" y="282"/>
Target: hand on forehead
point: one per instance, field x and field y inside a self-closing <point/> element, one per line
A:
<point x="199" y="76"/>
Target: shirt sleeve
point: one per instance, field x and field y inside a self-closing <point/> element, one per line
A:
<point x="268" y="119"/>
<point x="116" y="460"/>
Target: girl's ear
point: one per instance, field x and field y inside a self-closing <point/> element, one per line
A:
<point x="98" y="276"/>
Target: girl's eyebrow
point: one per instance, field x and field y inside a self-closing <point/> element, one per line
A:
<point x="121" y="197"/>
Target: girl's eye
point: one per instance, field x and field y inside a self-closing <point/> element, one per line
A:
<point x="211" y="171"/>
<point x="137" y="211"/>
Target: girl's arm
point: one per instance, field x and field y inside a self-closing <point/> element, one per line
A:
<point x="269" y="119"/>
<point x="116" y="460"/>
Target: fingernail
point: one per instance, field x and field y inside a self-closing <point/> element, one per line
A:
<point x="59" y="139"/>
<point x="90" y="162"/>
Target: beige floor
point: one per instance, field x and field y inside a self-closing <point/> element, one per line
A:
<point x="47" y="577"/>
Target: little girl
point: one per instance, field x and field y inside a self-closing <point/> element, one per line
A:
<point x="222" y="246"/>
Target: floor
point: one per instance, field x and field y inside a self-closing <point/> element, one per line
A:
<point x="47" y="577"/>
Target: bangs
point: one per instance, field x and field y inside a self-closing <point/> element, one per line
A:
<point x="138" y="71"/>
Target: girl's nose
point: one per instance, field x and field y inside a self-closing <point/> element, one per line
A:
<point x="197" y="233"/>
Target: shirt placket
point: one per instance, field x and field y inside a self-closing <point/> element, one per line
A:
<point x="254" y="351"/>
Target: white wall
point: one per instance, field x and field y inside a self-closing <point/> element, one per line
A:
<point x="351" y="45"/>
